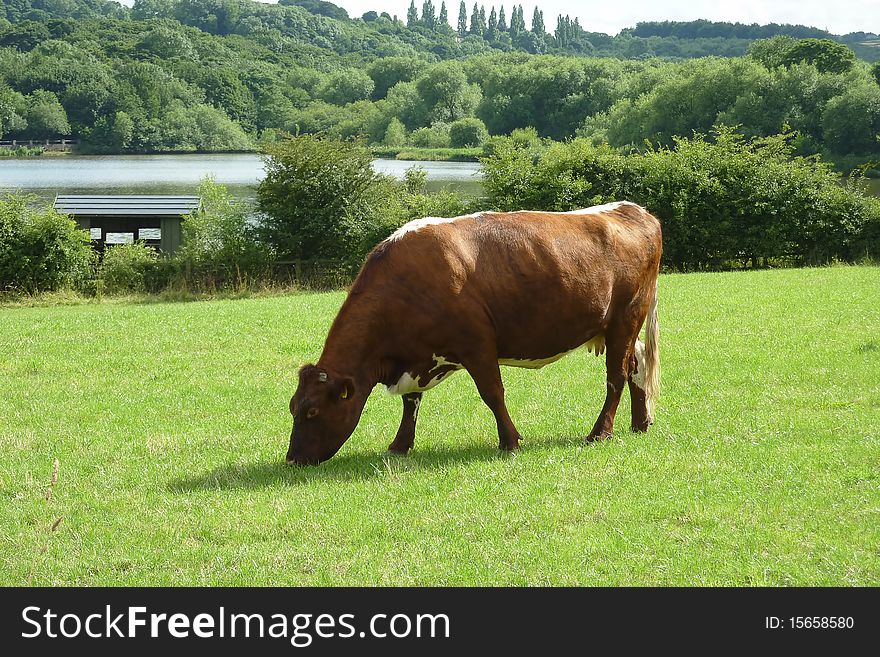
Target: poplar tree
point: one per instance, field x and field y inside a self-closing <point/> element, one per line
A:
<point x="462" y="20"/>
<point x="444" y="15"/>
<point x="412" y="14"/>
<point x="475" y="21"/>
<point x="517" y="22"/>
<point x="561" y="32"/>
<point x="492" y="26"/>
<point x="502" y="20"/>
<point x="538" y="22"/>
<point x="429" y="14"/>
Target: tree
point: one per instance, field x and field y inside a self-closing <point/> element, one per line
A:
<point x="517" y="22"/>
<point x="45" y="116"/>
<point x="13" y="107"/>
<point x="146" y="9"/>
<point x="826" y="55"/>
<point x="875" y="71"/>
<point x="467" y="132"/>
<point x="445" y="91"/>
<point x="502" y="20"/>
<point x="475" y="21"/>
<point x="538" y="22"/>
<point x="388" y="71"/>
<point x="24" y="36"/>
<point x="316" y="197"/>
<point x="492" y="26"/>
<point x="404" y="102"/>
<point x="412" y="14"/>
<point x="345" y="86"/>
<point x="429" y="15"/>
<point x="370" y="17"/>
<point x="443" y="19"/>
<point x="225" y="90"/>
<point x="771" y="52"/>
<point x="165" y="42"/>
<point x="851" y="122"/>
<point x="111" y="134"/>
<point x="462" y="20"/>
<point x="395" y="134"/>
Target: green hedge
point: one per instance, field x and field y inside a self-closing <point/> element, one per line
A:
<point x="41" y="250"/>
<point x="722" y="199"/>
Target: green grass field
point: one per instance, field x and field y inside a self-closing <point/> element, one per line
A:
<point x="170" y="424"/>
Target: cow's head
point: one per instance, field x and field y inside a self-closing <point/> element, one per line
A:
<point x="326" y="408"/>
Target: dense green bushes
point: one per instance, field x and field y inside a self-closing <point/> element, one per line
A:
<point x="321" y="199"/>
<point x="134" y="269"/>
<point x="721" y="200"/>
<point x="724" y="200"/>
<point x="41" y="250"/>
<point x="220" y="246"/>
<point x="317" y="197"/>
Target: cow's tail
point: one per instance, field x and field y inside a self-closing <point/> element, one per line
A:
<point x="652" y="355"/>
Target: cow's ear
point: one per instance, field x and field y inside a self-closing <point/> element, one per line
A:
<point x="346" y="388"/>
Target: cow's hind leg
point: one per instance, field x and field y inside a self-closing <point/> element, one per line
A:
<point x="617" y="364"/>
<point x="641" y="416"/>
<point x="487" y="377"/>
<point x="406" y="432"/>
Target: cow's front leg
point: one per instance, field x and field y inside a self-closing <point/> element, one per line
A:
<point x="406" y="432"/>
<point x="487" y="377"/>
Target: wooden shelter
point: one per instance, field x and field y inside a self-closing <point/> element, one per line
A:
<point x="153" y="219"/>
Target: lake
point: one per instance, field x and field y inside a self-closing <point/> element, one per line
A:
<point x="180" y="174"/>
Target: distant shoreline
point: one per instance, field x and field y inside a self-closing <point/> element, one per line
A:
<point x="406" y="153"/>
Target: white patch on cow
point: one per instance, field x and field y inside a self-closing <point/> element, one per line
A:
<point x="405" y="385"/>
<point x="409" y="382"/>
<point x="595" y="344"/>
<point x="418" y="224"/>
<point x="416" y="403"/>
<point x="440" y="361"/>
<point x="639" y="377"/>
<point x="532" y="363"/>
<point x="599" y="209"/>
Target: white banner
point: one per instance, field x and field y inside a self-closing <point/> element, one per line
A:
<point x="119" y="238"/>
<point x="149" y="233"/>
<point x="95" y="233"/>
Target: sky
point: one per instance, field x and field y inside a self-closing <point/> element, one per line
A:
<point x="836" y="16"/>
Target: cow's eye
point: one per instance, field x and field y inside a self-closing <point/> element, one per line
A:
<point x="312" y="412"/>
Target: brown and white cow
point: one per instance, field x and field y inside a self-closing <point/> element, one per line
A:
<point x="475" y="292"/>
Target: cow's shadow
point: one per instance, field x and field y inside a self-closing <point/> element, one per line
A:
<point x="351" y="467"/>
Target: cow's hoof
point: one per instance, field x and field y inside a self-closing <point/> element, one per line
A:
<point x="399" y="450"/>
<point x="597" y="437"/>
<point x="511" y="446"/>
<point x="640" y="428"/>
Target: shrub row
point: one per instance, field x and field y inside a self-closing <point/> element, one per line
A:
<point x="321" y="208"/>
<point x="723" y="199"/>
<point x="41" y="250"/>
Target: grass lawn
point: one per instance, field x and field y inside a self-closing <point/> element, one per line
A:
<point x="170" y="425"/>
